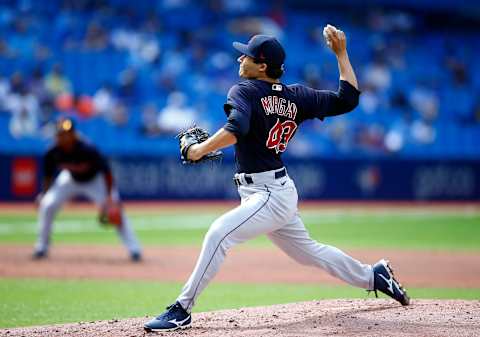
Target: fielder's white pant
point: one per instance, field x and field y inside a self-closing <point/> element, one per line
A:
<point x="65" y="188"/>
<point x="269" y="206"/>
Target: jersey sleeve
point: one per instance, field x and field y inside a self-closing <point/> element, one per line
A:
<point x="325" y="103"/>
<point x="96" y="159"/>
<point x="49" y="165"/>
<point x="238" y="109"/>
<point x="101" y="162"/>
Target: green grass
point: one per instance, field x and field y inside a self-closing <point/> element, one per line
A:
<point x="28" y="302"/>
<point x="351" y="229"/>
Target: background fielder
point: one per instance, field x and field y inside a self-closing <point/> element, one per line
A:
<point x="263" y="116"/>
<point x="82" y="172"/>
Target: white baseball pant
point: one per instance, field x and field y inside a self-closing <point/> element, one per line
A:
<point x="269" y="206"/>
<point x="65" y="188"/>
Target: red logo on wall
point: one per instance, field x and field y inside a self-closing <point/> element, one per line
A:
<point x="24" y="177"/>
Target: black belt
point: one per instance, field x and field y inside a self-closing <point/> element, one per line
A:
<point x="248" y="179"/>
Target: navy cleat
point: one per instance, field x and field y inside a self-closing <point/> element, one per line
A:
<point x="39" y="255"/>
<point x="136" y="257"/>
<point x="385" y="282"/>
<point x="174" y="318"/>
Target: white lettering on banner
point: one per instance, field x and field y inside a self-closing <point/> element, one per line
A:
<point x="309" y="179"/>
<point x="137" y="178"/>
<point x="443" y="181"/>
<point x="169" y="178"/>
<point x="24" y="177"/>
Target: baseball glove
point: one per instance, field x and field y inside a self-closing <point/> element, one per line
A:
<point x="111" y="214"/>
<point x="195" y="135"/>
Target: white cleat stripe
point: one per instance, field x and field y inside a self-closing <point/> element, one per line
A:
<point x="389" y="282"/>
<point x="178" y="323"/>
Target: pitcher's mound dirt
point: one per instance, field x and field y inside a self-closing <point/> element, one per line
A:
<point x="370" y="317"/>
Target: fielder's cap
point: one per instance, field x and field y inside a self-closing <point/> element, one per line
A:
<point x="263" y="48"/>
<point x="65" y="125"/>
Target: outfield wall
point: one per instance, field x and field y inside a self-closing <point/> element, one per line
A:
<point x="165" y="178"/>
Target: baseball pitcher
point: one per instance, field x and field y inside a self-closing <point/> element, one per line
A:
<point x="263" y="116"/>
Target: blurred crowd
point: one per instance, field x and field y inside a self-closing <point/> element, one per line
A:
<point x="151" y="69"/>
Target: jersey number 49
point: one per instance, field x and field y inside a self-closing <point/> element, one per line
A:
<point x="280" y="134"/>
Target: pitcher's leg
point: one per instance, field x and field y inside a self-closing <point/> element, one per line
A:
<point x="295" y="241"/>
<point x="97" y="192"/>
<point x="245" y="222"/>
<point x="62" y="190"/>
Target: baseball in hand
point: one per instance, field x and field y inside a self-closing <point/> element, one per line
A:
<point x="328" y="40"/>
<point x="334" y="38"/>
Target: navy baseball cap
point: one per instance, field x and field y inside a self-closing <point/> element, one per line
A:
<point x="263" y="48"/>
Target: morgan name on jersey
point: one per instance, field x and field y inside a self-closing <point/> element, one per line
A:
<point x="280" y="106"/>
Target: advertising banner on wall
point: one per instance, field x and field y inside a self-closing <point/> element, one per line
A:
<point x="23" y="180"/>
<point x="166" y="178"/>
<point x="328" y="179"/>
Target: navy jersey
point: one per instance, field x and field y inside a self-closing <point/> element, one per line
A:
<point x="265" y="116"/>
<point x="83" y="162"/>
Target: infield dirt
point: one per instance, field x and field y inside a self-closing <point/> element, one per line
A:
<point x="243" y="264"/>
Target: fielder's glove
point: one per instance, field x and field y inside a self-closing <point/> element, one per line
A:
<point x="195" y="135"/>
<point x="111" y="214"/>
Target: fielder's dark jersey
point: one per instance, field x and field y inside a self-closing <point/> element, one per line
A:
<point x="83" y="162"/>
<point x="264" y="117"/>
